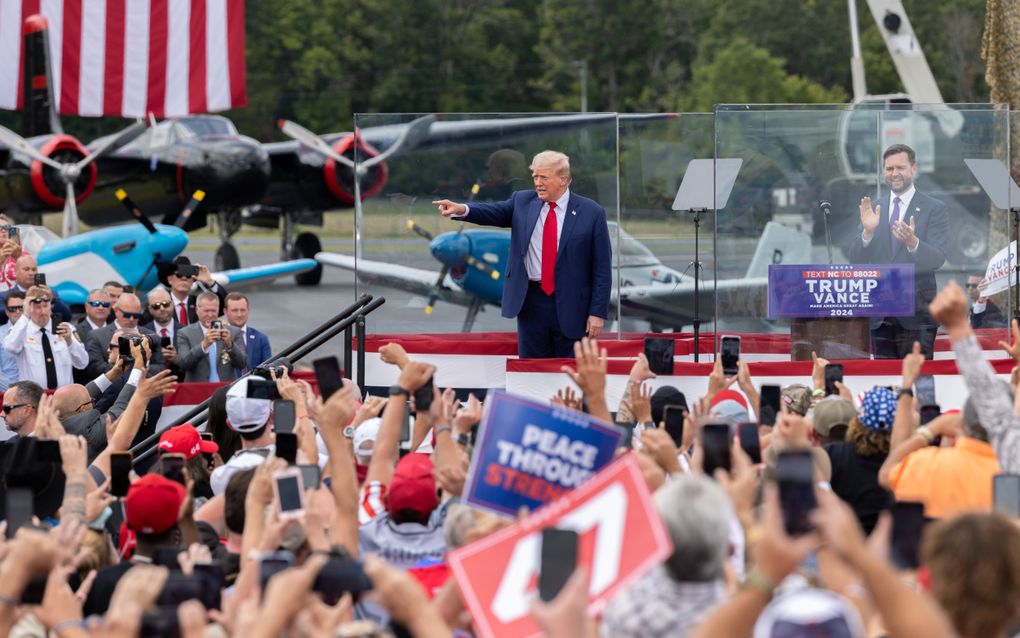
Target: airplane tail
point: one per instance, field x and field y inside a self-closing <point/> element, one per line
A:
<point x="38" y="112"/>
<point x="779" y="245"/>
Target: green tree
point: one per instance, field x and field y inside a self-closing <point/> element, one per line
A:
<point x="742" y="73"/>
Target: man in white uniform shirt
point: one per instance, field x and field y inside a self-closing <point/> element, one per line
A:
<point x="44" y="357"/>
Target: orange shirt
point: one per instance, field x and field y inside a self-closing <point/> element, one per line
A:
<point x="947" y="480"/>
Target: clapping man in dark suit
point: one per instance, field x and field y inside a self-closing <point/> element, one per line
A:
<point x="908" y="227"/>
<point x="559" y="270"/>
<point x="256" y="343"/>
<point x="207" y="352"/>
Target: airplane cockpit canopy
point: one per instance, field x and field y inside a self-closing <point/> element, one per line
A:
<point x="631" y="251"/>
<point x="175" y="130"/>
<point x="33" y="238"/>
<point x="203" y="125"/>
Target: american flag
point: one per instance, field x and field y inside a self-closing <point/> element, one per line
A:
<point x="132" y="57"/>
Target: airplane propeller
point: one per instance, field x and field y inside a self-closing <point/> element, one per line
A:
<point x="136" y="212"/>
<point x="69" y="172"/>
<point x="469" y="259"/>
<point x="413" y="134"/>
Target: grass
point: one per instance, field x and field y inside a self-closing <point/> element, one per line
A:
<point x="383" y="220"/>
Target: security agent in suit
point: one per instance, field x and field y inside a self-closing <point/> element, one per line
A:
<point x="127" y="316"/>
<point x="97" y="313"/>
<point x="559" y="269"/>
<point x="984" y="313"/>
<point x="164" y="324"/>
<point x="918" y="234"/>
<point x="200" y="344"/>
<point x="180" y="282"/>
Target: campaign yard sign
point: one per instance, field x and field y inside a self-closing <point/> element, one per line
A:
<point x="529" y="453"/>
<point x="843" y="290"/>
<point x="620" y="538"/>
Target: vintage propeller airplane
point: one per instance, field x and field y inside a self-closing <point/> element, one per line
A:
<point x="247" y="182"/>
<point x="131" y="253"/>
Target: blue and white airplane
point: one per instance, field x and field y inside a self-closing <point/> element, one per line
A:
<point x="129" y="253"/>
<point x="473" y="262"/>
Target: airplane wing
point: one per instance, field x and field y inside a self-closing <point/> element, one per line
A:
<point x="258" y="274"/>
<point x="413" y="280"/>
<point x="460" y="131"/>
<point x="673" y="304"/>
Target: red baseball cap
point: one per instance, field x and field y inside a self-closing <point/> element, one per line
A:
<point x="152" y="504"/>
<point x="185" y="439"/>
<point x="413" y="486"/>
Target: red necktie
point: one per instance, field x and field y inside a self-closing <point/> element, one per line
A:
<point x="549" y="251"/>
<point x="162" y="332"/>
<point x="184" y="314"/>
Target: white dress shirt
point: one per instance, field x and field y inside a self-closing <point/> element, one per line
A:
<point x="24" y="341"/>
<point x="533" y="260"/>
<point x="905" y="199"/>
<point x="169" y="327"/>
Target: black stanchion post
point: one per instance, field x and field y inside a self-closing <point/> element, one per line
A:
<point x="359" y="331"/>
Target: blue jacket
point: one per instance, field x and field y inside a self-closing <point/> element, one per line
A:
<point x="583" y="258"/>
<point x="257" y="347"/>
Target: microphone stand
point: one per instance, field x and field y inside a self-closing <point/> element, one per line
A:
<point x="827" y="210"/>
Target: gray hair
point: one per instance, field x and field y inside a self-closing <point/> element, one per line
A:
<point x="207" y="296"/>
<point x="557" y="160"/>
<point x="460" y="519"/>
<point x="697" y="514"/>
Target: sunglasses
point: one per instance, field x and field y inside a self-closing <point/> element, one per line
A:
<point x="131" y="315"/>
<point x="10" y="408"/>
<point x="972" y="285"/>
<point x="99" y="304"/>
<point x="15" y="309"/>
<point x="39" y="300"/>
<point x="113" y="346"/>
<point x="160" y="304"/>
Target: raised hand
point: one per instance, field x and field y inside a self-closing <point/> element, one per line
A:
<point x="869" y="217"/>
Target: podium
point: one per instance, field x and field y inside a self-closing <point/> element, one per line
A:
<point x="831" y="338"/>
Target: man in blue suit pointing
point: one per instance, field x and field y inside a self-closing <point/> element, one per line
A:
<point x="559" y="271"/>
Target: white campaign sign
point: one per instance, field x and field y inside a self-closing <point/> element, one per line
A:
<point x="602" y="513"/>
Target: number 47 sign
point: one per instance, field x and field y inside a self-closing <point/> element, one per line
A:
<point x="620" y="538"/>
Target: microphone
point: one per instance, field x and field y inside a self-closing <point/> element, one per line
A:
<point x="826" y="206"/>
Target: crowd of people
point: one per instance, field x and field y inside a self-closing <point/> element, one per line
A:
<point x="203" y="538"/>
<point x="41" y="343"/>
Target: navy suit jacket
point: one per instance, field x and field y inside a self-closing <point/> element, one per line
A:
<point x="583" y="258"/>
<point x="931" y="225"/>
<point x="257" y="347"/>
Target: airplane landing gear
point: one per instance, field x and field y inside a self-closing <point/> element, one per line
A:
<point x="226" y="257"/>
<point x="305" y="246"/>
<point x="472" y="314"/>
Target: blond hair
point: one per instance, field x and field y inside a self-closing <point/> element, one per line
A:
<point x="555" y="159"/>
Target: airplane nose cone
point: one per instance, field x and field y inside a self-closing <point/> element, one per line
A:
<point x="451" y="249"/>
<point x="235" y="169"/>
<point x="168" y="242"/>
